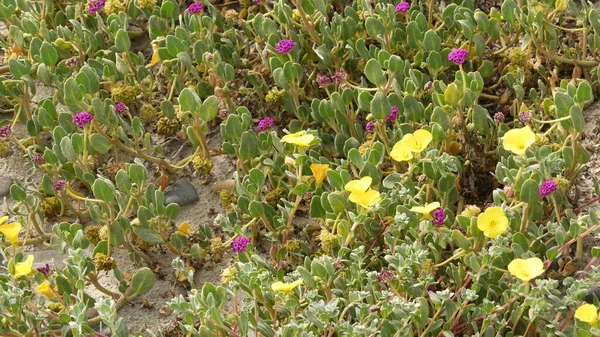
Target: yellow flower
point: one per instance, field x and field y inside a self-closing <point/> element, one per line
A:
<point x="11" y="231"/>
<point x="518" y="140"/>
<point x="365" y="199"/>
<point x="45" y="289"/>
<point x="400" y="152"/>
<point x="425" y="210"/>
<point x="587" y="313"/>
<point x="24" y="268"/>
<point x="318" y="171"/>
<point x="527" y="269"/>
<point x="493" y="222"/>
<point x="184" y="229"/>
<point x="3" y="219"/>
<point x="361" y="185"/>
<point x="417" y="141"/>
<point x="286" y="287"/>
<point x="301" y="138"/>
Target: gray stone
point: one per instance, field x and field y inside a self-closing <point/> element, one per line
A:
<point x="47" y="256"/>
<point x="182" y="192"/>
<point x="5" y="183"/>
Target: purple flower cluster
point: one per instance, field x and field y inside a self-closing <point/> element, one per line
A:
<point x="37" y="159"/>
<point x="93" y="7"/>
<point x="240" y="243"/>
<point x="499" y="116"/>
<point x="196" y="7"/>
<point x="71" y="62"/>
<point x="45" y="269"/>
<point x="265" y="123"/>
<point x="5" y="131"/>
<point x="82" y="119"/>
<point x="284" y="46"/>
<point x="458" y="56"/>
<point x="59" y="185"/>
<point x="525" y="116"/>
<point x="370" y="126"/>
<point x="385" y="275"/>
<point x="339" y="77"/>
<point x="257" y="1"/>
<point x="120" y="108"/>
<point x="510" y="192"/>
<point x="547" y="187"/>
<point x="402" y="7"/>
<point x="394" y="114"/>
<point x="438" y="217"/>
<point x="323" y="80"/>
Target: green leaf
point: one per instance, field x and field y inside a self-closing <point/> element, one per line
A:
<point x="137" y="173"/>
<point x="142" y="281"/>
<point x="209" y="109"/>
<point x="103" y="190"/>
<point x="380" y="107"/>
<point x="577" y="118"/>
<point x="374" y="73"/>
<point x="100" y="143"/>
<point x="149" y="235"/>
<point x="249" y="146"/>
<point x="337" y="202"/>
<point x="530" y="191"/>
<point x="452" y="94"/>
<point x="48" y="54"/>
<point x="432" y="41"/>
<point x="189" y="100"/>
<point x="584" y="94"/>
<point x="17" y="193"/>
<point x="122" y="42"/>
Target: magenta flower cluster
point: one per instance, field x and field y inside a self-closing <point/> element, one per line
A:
<point x="499" y="116"/>
<point x="37" y="159"/>
<point x="394" y="114"/>
<point x="196" y="7"/>
<point x="120" y="108"/>
<point x="402" y="7"/>
<point x="59" y="185"/>
<point x="385" y="275"/>
<point x="82" y="119"/>
<point x="284" y="46"/>
<point x="525" y="116"/>
<point x="44" y="269"/>
<point x="71" y="62"/>
<point x="5" y="131"/>
<point x="323" y="80"/>
<point x="266" y="123"/>
<point x="458" y="56"/>
<point x="438" y="217"/>
<point x="240" y="243"/>
<point x="370" y="126"/>
<point x="93" y="7"/>
<point x="339" y="77"/>
<point x="547" y="187"/>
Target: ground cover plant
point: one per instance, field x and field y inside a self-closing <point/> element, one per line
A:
<point x="401" y="168"/>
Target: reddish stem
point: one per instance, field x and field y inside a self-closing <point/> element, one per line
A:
<point x="588" y="266"/>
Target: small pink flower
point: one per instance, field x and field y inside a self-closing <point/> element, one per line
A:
<point x="240" y="243"/>
<point x="458" y="56"/>
<point x="195" y="7"/>
<point x="284" y="46"/>
<point x="82" y="119"/>
<point x="402" y="7"/>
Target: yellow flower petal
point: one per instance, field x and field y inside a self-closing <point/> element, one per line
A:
<point x="300" y="138"/>
<point x="45" y="289"/>
<point x="319" y="172"/>
<point x="184" y="229"/>
<point x="527" y="269"/>
<point x="286" y="287"/>
<point x="361" y="185"/>
<point x="493" y="222"/>
<point x="425" y="210"/>
<point x="24" y="268"/>
<point x="417" y="141"/>
<point x="518" y="141"/>
<point x="365" y="199"/>
<point x="400" y="152"/>
<point x="3" y="219"/>
<point x="587" y="313"/>
<point x="11" y="231"/>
